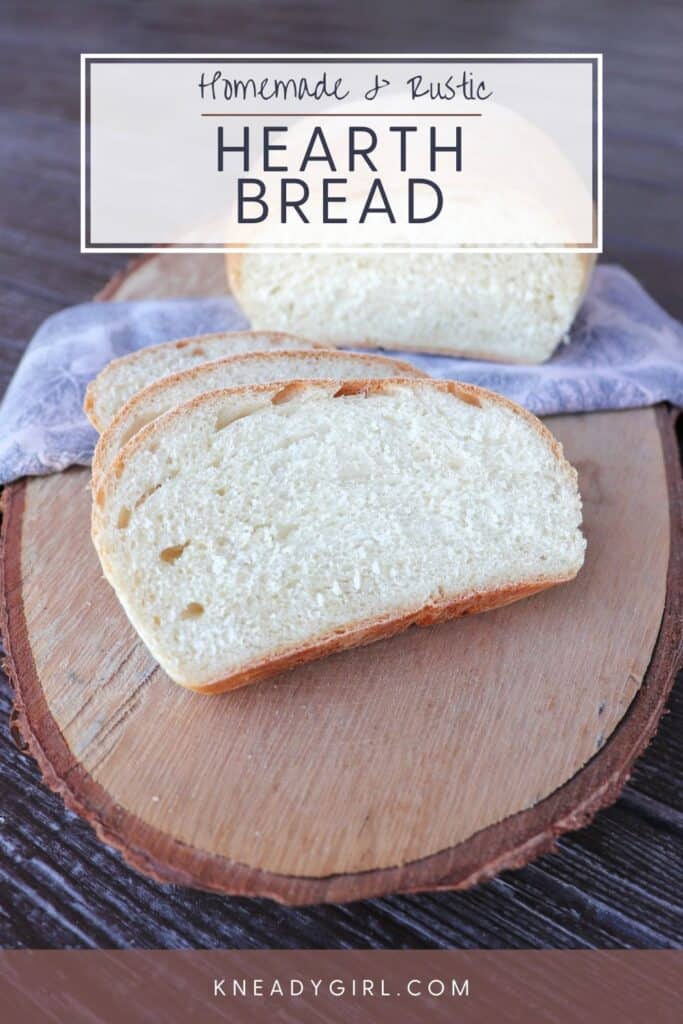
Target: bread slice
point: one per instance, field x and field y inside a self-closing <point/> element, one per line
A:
<point x="253" y="529"/>
<point x="121" y="378"/>
<point x="233" y="371"/>
<point x="509" y="307"/>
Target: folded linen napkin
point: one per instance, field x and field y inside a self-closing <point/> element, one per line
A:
<point x="624" y="351"/>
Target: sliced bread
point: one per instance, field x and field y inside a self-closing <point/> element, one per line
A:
<point x="121" y="378"/>
<point x="253" y="529"/>
<point x="509" y="307"/>
<point x="234" y="371"/>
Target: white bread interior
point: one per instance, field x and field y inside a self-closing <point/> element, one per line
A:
<point x="235" y="371"/>
<point x="121" y="378"/>
<point x="507" y="307"/>
<point x="252" y="529"/>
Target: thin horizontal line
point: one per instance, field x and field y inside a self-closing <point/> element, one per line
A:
<point x="346" y="58"/>
<point x="323" y="114"/>
<point x="209" y="247"/>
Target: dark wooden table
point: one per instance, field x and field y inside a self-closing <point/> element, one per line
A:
<point x="618" y="883"/>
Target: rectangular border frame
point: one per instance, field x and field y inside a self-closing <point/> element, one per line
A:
<point x="87" y="59"/>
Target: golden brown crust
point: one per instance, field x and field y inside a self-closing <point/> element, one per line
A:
<point x="107" y="440"/>
<point x="89" y="405"/>
<point x="377" y="629"/>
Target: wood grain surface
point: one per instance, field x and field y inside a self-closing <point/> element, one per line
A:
<point x="617" y="883"/>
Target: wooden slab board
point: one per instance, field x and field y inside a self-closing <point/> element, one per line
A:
<point x="431" y="760"/>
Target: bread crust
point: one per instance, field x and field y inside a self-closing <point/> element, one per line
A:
<point x="108" y="444"/>
<point x="367" y="631"/>
<point x="93" y="388"/>
<point x="234" y="272"/>
<point x="472" y="394"/>
<point x="372" y="630"/>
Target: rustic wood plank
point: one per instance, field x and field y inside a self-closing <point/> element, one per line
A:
<point x="56" y="853"/>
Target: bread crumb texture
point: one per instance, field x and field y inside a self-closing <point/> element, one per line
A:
<point x="510" y="307"/>
<point x="236" y="371"/>
<point x="122" y="378"/>
<point x="236" y="528"/>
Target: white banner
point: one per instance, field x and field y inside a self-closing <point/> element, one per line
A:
<point x="293" y="153"/>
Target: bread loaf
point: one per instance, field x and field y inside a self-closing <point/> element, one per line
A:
<point x="121" y="378"/>
<point x="509" y="307"/>
<point x="253" y="529"/>
<point x="251" y="368"/>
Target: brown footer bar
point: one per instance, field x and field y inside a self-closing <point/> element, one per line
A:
<point x="355" y="986"/>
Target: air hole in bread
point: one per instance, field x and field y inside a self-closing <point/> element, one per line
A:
<point x="295" y="437"/>
<point x="192" y="611"/>
<point x="173" y="553"/>
<point x="124" y="518"/>
<point x="221" y="492"/>
<point x="459" y="392"/>
<point x="286" y="394"/>
<point x="146" y="494"/>
<point x="224" y="419"/>
<point x="350" y="388"/>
